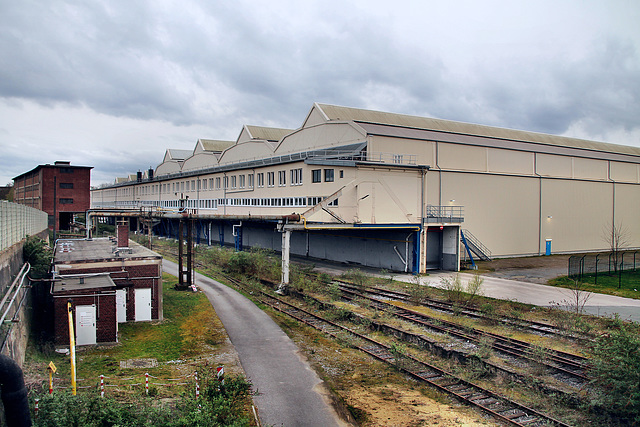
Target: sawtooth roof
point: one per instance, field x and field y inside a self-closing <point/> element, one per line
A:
<point x="175" y="154"/>
<point x="267" y="133"/>
<point x="215" y="145"/>
<point x="334" y="112"/>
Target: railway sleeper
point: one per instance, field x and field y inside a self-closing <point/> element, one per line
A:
<point x="512" y="414"/>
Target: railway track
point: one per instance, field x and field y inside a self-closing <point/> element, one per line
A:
<point x="556" y="361"/>
<point x="497" y="406"/>
<point x="531" y="325"/>
<point x="559" y="363"/>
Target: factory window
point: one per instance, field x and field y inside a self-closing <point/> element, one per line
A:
<point x="211" y="183"/>
<point x="312" y="201"/>
<point x="241" y="181"/>
<point x="271" y="179"/>
<point x="341" y="174"/>
<point x="250" y="180"/>
<point x="225" y="182"/>
<point x="217" y="183"/>
<point x="66" y="185"/>
<point x="261" y="180"/>
<point x="188" y="185"/>
<point x="282" y="178"/>
<point x="397" y="158"/>
<point x="296" y="176"/>
<point x="66" y="170"/>
<point x="316" y="175"/>
<point x="204" y="184"/>
<point x="182" y="186"/>
<point x="66" y="201"/>
<point x="233" y="182"/>
<point x="328" y="175"/>
<point x="334" y="203"/>
<point x="193" y="185"/>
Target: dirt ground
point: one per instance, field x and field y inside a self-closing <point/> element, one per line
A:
<point x="386" y="406"/>
<point x="539" y="269"/>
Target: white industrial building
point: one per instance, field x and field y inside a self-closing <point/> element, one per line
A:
<point x="393" y="191"/>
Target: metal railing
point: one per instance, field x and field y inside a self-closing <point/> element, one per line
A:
<point x="476" y="246"/>
<point x="353" y="154"/>
<point x="18" y="221"/>
<point x="441" y="214"/>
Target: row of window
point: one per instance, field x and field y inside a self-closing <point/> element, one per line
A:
<point x="214" y="203"/>
<point x="235" y="182"/>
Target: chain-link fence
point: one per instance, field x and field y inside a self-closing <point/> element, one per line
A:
<point x="599" y="264"/>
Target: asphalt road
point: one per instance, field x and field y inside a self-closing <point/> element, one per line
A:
<point x="289" y="391"/>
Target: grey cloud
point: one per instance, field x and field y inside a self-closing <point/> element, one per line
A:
<point x="225" y="64"/>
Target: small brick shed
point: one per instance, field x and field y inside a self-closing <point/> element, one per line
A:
<point x="135" y="271"/>
<point x="93" y="304"/>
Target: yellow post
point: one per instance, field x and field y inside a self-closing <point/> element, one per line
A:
<point x="72" y="348"/>
<point x="52" y="370"/>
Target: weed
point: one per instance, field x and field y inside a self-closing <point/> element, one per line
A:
<point x="332" y="290"/>
<point x="476" y="369"/>
<point x="540" y="356"/>
<point x="418" y="293"/>
<point x="399" y="353"/>
<point x="484" y="349"/>
<point x="357" y="277"/>
<point x="457" y="292"/>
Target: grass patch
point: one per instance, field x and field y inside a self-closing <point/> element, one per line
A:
<point x="190" y="330"/>
<point x="629" y="282"/>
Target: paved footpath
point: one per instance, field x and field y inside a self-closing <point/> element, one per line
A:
<point x="520" y="291"/>
<point x="289" y="392"/>
<point x="541" y="295"/>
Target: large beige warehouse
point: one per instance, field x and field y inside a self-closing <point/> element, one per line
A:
<point x="394" y="191"/>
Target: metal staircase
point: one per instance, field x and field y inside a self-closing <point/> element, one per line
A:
<point x="472" y="244"/>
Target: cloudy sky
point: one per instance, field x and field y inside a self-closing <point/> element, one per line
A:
<point x="112" y="84"/>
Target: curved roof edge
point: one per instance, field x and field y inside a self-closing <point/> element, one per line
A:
<point x="334" y="112"/>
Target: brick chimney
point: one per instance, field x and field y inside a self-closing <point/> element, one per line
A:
<point x="123" y="232"/>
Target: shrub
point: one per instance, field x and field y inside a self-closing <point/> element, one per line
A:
<point x="218" y="406"/>
<point x="38" y="255"/>
<point x="615" y="368"/>
<point x="457" y="292"/>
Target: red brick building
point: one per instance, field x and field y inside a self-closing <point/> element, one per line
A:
<point x="93" y="304"/>
<point x="59" y="189"/>
<point x="135" y="271"/>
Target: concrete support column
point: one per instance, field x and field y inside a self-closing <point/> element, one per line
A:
<point x="286" y="244"/>
<point x="423" y="249"/>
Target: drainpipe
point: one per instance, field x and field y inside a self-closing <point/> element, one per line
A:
<point x="535" y="172"/>
<point x="14" y="393"/>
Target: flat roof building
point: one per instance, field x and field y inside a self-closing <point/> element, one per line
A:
<point x="128" y="271"/>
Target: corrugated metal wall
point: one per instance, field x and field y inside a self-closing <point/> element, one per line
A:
<point x="18" y="221"/>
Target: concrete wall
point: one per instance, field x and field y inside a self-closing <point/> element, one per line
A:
<point x="14" y="343"/>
